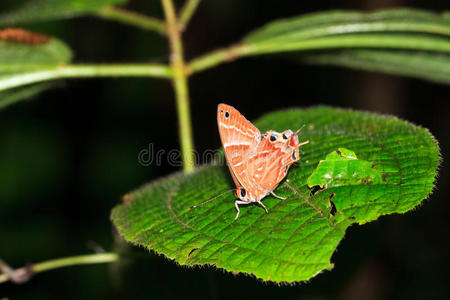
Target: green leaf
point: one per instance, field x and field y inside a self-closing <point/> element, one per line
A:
<point x="399" y="41"/>
<point x="44" y="10"/>
<point x="342" y="167"/>
<point x="296" y="240"/>
<point x="430" y="66"/>
<point x="346" y="22"/>
<point x="16" y="56"/>
<point x="26" y="56"/>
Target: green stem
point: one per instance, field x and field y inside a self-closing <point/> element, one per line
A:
<point x="218" y="57"/>
<point x="350" y="41"/>
<point x="132" y="18"/>
<point x="86" y="71"/>
<point x="181" y="87"/>
<point x="65" y="262"/>
<point x="186" y="12"/>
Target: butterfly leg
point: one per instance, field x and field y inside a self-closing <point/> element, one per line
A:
<point x="236" y="204"/>
<point x="263" y="206"/>
<point x="279" y="197"/>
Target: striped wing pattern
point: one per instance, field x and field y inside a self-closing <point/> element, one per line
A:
<point x="268" y="166"/>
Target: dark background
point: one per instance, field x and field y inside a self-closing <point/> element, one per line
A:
<point x="67" y="156"/>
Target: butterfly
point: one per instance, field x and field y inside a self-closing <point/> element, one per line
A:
<point x="257" y="162"/>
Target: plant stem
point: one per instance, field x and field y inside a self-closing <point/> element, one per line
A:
<point x="181" y="87"/>
<point x="85" y="71"/>
<point x="133" y="18"/>
<point x="186" y="13"/>
<point x="64" y="262"/>
<point x="218" y="57"/>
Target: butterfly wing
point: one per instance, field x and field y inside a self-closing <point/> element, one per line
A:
<point x="239" y="139"/>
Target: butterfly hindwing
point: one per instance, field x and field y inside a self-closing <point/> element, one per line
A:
<point x="269" y="165"/>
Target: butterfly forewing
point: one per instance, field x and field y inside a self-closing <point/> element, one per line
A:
<point x="239" y="139"/>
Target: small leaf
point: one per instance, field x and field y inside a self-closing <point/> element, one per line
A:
<point x="25" y="54"/>
<point x="44" y="10"/>
<point x="296" y="240"/>
<point x="342" y="168"/>
<point x="21" y="49"/>
<point x="400" y="41"/>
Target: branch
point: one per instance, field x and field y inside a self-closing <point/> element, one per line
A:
<point x="186" y="13"/>
<point x="132" y="18"/>
<point x="86" y="71"/>
<point x="218" y="57"/>
<point x="23" y="274"/>
<point x="181" y="87"/>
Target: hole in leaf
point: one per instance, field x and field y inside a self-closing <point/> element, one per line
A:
<point x="190" y="253"/>
<point x="333" y="209"/>
<point x="315" y="189"/>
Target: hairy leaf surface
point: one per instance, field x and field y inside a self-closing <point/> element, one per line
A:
<point x="296" y="240"/>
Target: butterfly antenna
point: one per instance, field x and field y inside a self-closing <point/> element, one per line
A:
<point x="305" y="142"/>
<point x="210" y="199"/>
<point x="300" y="129"/>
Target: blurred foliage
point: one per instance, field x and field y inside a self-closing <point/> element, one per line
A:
<point x="44" y="10"/>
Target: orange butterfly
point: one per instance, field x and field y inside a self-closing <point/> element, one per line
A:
<point x="258" y="162"/>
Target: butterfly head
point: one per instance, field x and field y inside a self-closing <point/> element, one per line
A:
<point x="244" y="194"/>
<point x="276" y="137"/>
<point x="288" y="137"/>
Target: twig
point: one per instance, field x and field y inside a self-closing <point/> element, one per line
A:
<point x="186" y="13"/>
<point x="23" y="274"/>
<point x="84" y="71"/>
<point x="133" y="18"/>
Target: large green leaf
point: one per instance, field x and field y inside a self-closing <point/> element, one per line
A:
<point x="399" y="41"/>
<point x="344" y="22"/>
<point x="296" y="240"/>
<point x="423" y="37"/>
<point x="43" y="10"/>
<point x="25" y="58"/>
